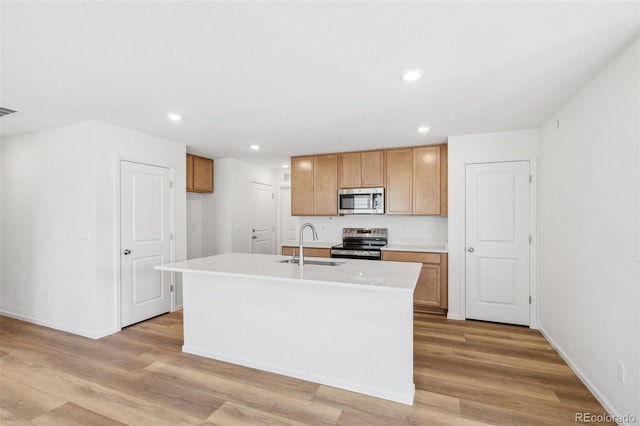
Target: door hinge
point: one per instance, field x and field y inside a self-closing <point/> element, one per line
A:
<point x="529" y="299"/>
<point x="170" y="184"/>
<point x="530" y="178"/>
<point x="171" y="287"/>
<point x="530" y="239"/>
<point x="273" y="196"/>
<point x="171" y="236"/>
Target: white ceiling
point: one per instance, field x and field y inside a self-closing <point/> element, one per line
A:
<point x="301" y="77"/>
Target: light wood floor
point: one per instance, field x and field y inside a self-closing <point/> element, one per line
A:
<point x="466" y="373"/>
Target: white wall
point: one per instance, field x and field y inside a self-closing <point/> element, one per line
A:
<point x="488" y="147"/>
<point x="115" y="144"/>
<point x="60" y="213"/>
<point x="49" y="221"/>
<point x="225" y="216"/>
<point x="589" y="222"/>
<point x="194" y="225"/>
<point x="413" y="230"/>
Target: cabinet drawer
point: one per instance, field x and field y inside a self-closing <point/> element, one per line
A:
<point x="411" y="256"/>
<point x="308" y="251"/>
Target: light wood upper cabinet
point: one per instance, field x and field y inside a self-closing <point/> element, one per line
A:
<point x="361" y="169"/>
<point x="350" y="169"/>
<point x="199" y="174"/>
<point x="302" y="188"/>
<point x="426" y="180"/>
<point x="431" y="292"/>
<point x="399" y="181"/>
<point x="325" y="175"/>
<point x="444" y="180"/>
<point x="314" y="185"/>
<point x="416" y="180"/>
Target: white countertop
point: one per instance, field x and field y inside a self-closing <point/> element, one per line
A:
<point x="310" y="244"/>
<point x="423" y="249"/>
<point x="427" y="248"/>
<point x="371" y="274"/>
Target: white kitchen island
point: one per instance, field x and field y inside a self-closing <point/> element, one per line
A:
<point x="348" y="326"/>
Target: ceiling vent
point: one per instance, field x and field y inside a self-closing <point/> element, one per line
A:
<point x="6" y="111"/>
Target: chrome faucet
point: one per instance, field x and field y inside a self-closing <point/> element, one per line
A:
<point x="315" y="237"/>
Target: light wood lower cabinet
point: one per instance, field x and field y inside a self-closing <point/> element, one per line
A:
<point x="308" y="251"/>
<point x="432" y="288"/>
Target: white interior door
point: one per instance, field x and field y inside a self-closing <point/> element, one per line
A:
<point x="262" y="218"/>
<point x="145" y="241"/>
<point x="497" y="242"/>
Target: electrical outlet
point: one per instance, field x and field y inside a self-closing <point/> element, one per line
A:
<point x="620" y="371"/>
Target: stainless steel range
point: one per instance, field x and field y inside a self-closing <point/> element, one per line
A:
<point x="361" y="243"/>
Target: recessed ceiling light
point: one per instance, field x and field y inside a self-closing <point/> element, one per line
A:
<point x="255" y="147"/>
<point x="174" y="117"/>
<point x="423" y="129"/>
<point x="412" y="75"/>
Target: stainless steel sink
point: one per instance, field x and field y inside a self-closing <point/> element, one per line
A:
<point x="313" y="262"/>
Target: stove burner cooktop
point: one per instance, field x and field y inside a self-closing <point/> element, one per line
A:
<point x="361" y="243"/>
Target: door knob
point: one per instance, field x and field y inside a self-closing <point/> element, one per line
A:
<point x="254" y="237"/>
<point x="470" y="249"/>
<point x="126" y="252"/>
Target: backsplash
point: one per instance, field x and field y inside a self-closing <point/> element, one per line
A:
<point x="413" y="230"/>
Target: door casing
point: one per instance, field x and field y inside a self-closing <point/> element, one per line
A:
<point x="505" y="250"/>
<point x="460" y="221"/>
<point x="118" y="229"/>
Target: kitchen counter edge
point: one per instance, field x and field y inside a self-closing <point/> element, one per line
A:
<point x="418" y="249"/>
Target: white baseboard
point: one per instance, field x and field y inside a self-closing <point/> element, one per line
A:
<point x="60" y="327"/>
<point x="455" y="317"/>
<point x="583" y="377"/>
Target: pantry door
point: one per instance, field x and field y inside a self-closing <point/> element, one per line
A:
<point x="498" y="242"/>
<point x="145" y="241"/>
<point x="262" y="218"/>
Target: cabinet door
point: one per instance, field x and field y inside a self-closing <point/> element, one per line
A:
<point x="430" y="294"/>
<point x="302" y="186"/>
<point x="325" y="168"/>
<point x="189" y="173"/>
<point x="308" y="251"/>
<point x="350" y="170"/>
<point x="444" y="180"/>
<point x="399" y="190"/>
<point x="427" y="292"/>
<point x="372" y="165"/>
<point x="202" y="174"/>
<point x="426" y="180"/>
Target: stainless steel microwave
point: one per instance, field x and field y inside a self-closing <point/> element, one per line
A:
<point x="361" y="201"/>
